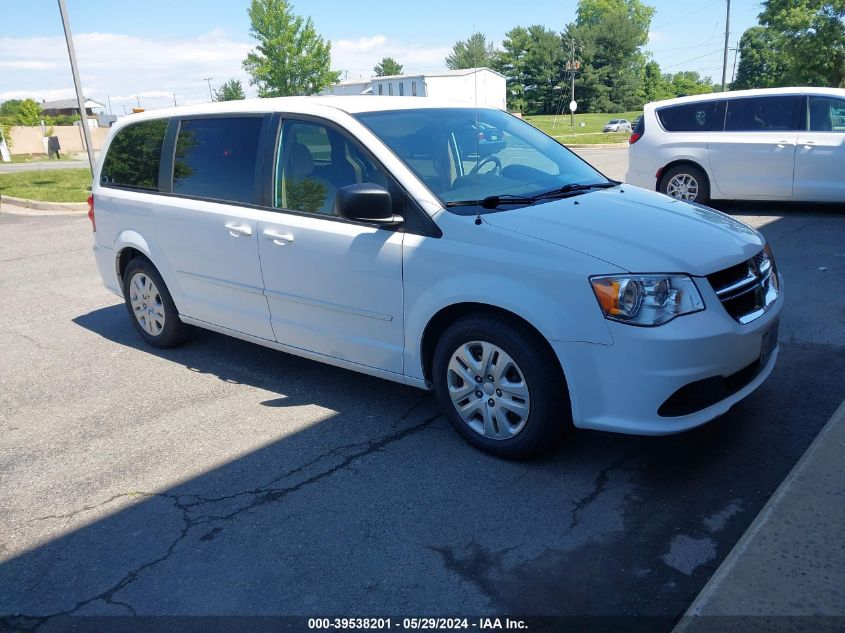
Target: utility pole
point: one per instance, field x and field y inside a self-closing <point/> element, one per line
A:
<point x="727" y="33"/>
<point x="208" y="79"/>
<point x="138" y="99"/>
<point x="572" y="67"/>
<point x="108" y="98"/>
<point x="733" y="72"/>
<point x="86" y="132"/>
<point x="174" y="99"/>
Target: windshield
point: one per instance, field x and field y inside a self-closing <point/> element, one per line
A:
<point x="612" y="121"/>
<point x="468" y="154"/>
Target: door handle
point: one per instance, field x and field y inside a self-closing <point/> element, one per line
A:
<point x="236" y="230"/>
<point x="280" y="239"/>
<point x="809" y="143"/>
<point x="783" y="143"/>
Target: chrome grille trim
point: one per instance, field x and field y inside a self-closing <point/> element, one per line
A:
<point x="736" y="295"/>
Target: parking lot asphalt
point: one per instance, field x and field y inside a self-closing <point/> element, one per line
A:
<point x="224" y="478"/>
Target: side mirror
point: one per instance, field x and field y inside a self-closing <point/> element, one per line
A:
<point x="366" y="202"/>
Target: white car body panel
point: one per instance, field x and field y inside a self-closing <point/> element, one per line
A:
<point x="361" y="297"/>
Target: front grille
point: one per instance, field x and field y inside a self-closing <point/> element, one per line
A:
<point x="748" y="289"/>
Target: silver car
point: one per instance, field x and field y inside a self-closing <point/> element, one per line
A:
<point x="617" y="125"/>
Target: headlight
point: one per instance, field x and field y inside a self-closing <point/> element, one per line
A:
<point x="646" y="299"/>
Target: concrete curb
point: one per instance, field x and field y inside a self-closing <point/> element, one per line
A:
<point x="44" y="206"/>
<point x="776" y="527"/>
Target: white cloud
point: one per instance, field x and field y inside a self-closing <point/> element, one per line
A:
<point x="126" y="68"/>
<point x="357" y="57"/>
<point x="121" y="67"/>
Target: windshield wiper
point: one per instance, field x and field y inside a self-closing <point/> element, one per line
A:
<point x="573" y="188"/>
<point x="491" y="202"/>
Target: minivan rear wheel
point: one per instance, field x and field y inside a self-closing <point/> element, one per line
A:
<point x="151" y="307"/>
<point x="500" y="386"/>
<point x="686" y="182"/>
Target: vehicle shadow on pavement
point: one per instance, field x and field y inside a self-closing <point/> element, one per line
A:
<point x="378" y="508"/>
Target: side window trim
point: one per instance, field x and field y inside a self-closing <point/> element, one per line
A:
<point x="418" y="225"/>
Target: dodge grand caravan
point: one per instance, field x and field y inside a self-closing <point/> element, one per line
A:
<point x="526" y="289"/>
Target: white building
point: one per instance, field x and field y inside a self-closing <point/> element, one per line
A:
<point x="473" y="86"/>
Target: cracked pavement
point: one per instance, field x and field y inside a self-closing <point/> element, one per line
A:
<point x="225" y="478"/>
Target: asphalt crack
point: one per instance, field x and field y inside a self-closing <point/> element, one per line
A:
<point x="599" y="486"/>
<point x="262" y="495"/>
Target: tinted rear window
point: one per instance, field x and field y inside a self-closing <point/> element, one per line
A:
<point x="215" y="158"/>
<point x="759" y="114"/>
<point x="688" y="117"/>
<point x="134" y="156"/>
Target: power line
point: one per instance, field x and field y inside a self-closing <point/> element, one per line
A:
<point x="687" y="14"/>
<point x="692" y="59"/>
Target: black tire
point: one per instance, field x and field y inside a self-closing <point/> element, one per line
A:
<point x="702" y="193"/>
<point x="173" y="332"/>
<point x="549" y="413"/>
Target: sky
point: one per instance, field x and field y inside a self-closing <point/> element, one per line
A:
<point x="157" y="52"/>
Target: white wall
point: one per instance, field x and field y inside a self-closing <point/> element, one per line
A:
<point x="484" y="88"/>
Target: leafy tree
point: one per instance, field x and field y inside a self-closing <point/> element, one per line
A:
<point x="476" y="52"/>
<point x="762" y="63"/>
<point x="291" y="57"/>
<point x="654" y="85"/>
<point x="387" y="66"/>
<point x="689" y="82"/>
<point x="29" y="112"/>
<point x="594" y="12"/>
<point x="511" y="61"/>
<point x="232" y="90"/>
<point x="813" y="36"/>
<point x="9" y="108"/>
<point x="612" y="64"/>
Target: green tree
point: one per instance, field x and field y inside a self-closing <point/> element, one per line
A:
<point x="612" y="63"/>
<point x="29" y="112"/>
<point x="594" y="12"/>
<point x="232" y="90"/>
<point x="9" y="108"/>
<point x="762" y="63"/>
<point x="387" y="66"/>
<point x="511" y="61"/>
<point x="813" y="37"/>
<point x="476" y="52"/>
<point x="689" y="82"/>
<point x="654" y="84"/>
<point x="291" y="57"/>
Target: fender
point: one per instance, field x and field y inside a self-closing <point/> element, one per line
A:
<point x="128" y="238"/>
<point x="540" y="309"/>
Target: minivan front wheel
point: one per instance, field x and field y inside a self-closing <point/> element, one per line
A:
<point x="686" y="182"/>
<point x="150" y="305"/>
<point x="500" y="386"/>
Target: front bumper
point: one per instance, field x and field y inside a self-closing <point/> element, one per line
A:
<point x="621" y="387"/>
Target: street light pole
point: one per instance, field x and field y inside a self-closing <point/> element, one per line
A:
<point x="210" y="95"/>
<point x="86" y="132"/>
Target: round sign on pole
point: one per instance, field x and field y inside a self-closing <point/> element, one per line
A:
<point x="573" y="106"/>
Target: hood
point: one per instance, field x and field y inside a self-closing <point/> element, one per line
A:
<point x="637" y="230"/>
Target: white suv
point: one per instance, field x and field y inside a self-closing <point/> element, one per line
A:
<point x="525" y="288"/>
<point x="772" y="144"/>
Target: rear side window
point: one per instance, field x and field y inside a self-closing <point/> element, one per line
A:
<point x="826" y="114"/>
<point x="688" y="117"/>
<point x="761" y="114"/>
<point x="134" y="156"/>
<point x="216" y="158"/>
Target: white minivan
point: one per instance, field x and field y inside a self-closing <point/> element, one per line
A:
<point x="526" y="289"/>
<point x="767" y="144"/>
